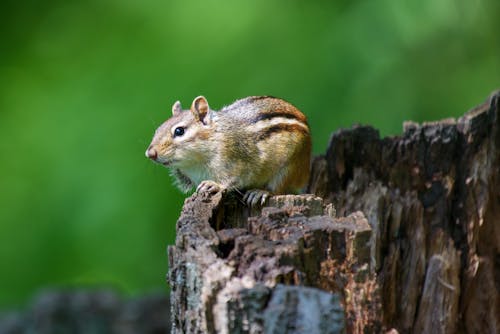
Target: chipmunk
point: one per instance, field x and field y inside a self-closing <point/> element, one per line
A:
<point x="259" y="144"/>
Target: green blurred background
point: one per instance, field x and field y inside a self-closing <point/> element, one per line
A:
<point x="84" y="84"/>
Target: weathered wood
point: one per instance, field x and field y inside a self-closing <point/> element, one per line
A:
<point x="410" y="245"/>
<point x="230" y="280"/>
<point x="432" y="199"/>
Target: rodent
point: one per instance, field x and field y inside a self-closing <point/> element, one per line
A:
<point x="258" y="144"/>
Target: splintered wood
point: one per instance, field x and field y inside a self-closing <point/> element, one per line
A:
<point x="400" y="236"/>
<point x="432" y="198"/>
<point x="284" y="273"/>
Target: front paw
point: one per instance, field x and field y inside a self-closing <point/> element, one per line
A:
<point x="209" y="187"/>
<point x="256" y="197"/>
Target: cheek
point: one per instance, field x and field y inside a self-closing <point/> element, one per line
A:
<point x="165" y="141"/>
<point x="178" y="151"/>
<point x="165" y="149"/>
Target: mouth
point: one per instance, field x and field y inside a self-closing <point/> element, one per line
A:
<point x="168" y="163"/>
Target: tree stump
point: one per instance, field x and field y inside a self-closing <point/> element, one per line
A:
<point x="402" y="234"/>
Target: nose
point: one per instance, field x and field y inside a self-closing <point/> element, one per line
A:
<point x="151" y="153"/>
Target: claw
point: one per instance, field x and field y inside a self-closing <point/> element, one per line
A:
<point x="245" y="197"/>
<point x="256" y="197"/>
<point x="209" y="186"/>
<point x="264" y="198"/>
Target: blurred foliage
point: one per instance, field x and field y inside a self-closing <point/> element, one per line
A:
<point x="83" y="85"/>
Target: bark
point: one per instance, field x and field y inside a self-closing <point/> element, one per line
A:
<point x="267" y="276"/>
<point x="410" y="245"/>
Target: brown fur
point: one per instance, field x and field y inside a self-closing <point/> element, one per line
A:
<point x="257" y="142"/>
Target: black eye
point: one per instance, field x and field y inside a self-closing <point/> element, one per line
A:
<point x="178" y="131"/>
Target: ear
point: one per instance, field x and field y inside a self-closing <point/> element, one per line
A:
<point x="176" y="108"/>
<point x="200" y="108"/>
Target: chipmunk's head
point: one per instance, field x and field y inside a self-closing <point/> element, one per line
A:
<point x="182" y="140"/>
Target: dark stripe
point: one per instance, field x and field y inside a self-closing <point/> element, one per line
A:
<point x="274" y="108"/>
<point x="256" y="98"/>
<point x="266" y="133"/>
<point x="247" y="100"/>
<point x="269" y="115"/>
